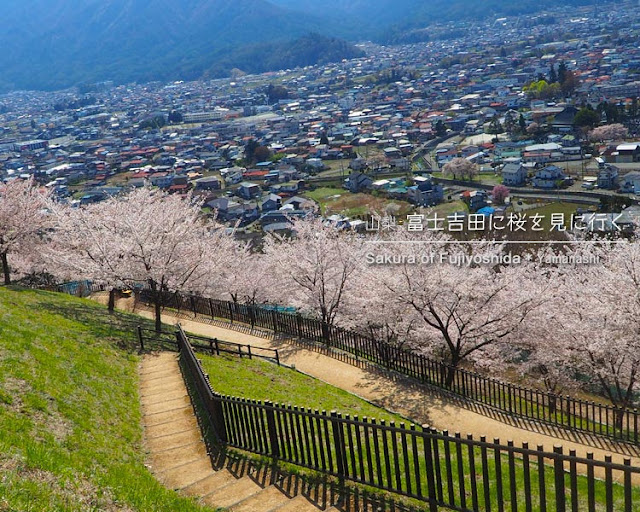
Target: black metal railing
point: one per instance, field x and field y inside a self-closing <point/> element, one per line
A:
<point x="557" y="410"/>
<point x="442" y="470"/>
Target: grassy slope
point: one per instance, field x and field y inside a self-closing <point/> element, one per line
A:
<point x="261" y="380"/>
<point x="70" y="434"/>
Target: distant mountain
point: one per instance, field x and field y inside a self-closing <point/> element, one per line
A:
<point x="304" y="51"/>
<point x="47" y="44"/>
<point x="387" y="20"/>
<point x="56" y="43"/>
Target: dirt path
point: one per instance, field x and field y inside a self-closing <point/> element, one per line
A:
<point x="421" y="405"/>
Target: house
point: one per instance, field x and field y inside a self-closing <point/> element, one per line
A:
<point x="476" y="199"/>
<point x="233" y="175"/>
<point x="630" y="183"/>
<point x="250" y="213"/>
<point x="563" y="121"/>
<point x="514" y="174"/>
<point x="271" y="203"/>
<point x="299" y="203"/>
<point x="608" y="177"/>
<point x="424" y="192"/>
<point x="223" y="207"/>
<point x="209" y="183"/>
<point x="550" y="177"/>
<point x="357" y="181"/>
<point x="249" y="190"/>
<point x="628" y="153"/>
<point x="357" y="164"/>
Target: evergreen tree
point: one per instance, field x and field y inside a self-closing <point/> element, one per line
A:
<point x="522" y="124"/>
<point x="562" y="72"/>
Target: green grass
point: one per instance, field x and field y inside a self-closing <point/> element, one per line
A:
<point x="70" y="431"/>
<point x="353" y="205"/>
<point x="261" y="380"/>
<point x="546" y="211"/>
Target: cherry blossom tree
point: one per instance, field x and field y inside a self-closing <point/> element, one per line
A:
<point x="23" y="220"/>
<point x="462" y="309"/>
<point x="247" y="277"/>
<point x="539" y="352"/>
<point x="373" y="312"/>
<point x="600" y="320"/>
<point x="315" y="269"/>
<point x="609" y="132"/>
<point x="460" y="169"/>
<point x="145" y="238"/>
<point x="500" y="193"/>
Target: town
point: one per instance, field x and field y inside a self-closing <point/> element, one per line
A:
<point x="435" y="126"/>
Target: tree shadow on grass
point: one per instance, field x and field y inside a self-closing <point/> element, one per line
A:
<point x="117" y="328"/>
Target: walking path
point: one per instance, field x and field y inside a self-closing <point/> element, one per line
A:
<point x="178" y="456"/>
<point x="423" y="406"/>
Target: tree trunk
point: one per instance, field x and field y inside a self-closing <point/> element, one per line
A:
<point x="326" y="334"/>
<point x="553" y="404"/>
<point x="618" y="415"/>
<point x="450" y="376"/>
<point x="158" y="311"/>
<point x="156" y="297"/>
<point x="5" y="269"/>
<point x="112" y="300"/>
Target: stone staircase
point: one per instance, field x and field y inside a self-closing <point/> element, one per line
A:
<point x="178" y="457"/>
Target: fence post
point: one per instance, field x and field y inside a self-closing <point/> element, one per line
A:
<point x="341" y="451"/>
<point x="215" y="340"/>
<point x="431" y="481"/>
<point x="249" y="351"/>
<point x="217" y="415"/>
<point x="273" y="432"/>
<point x="274" y="320"/>
<point x="230" y="308"/>
<point x="558" y="467"/>
<point x="299" y="325"/>
<point x="211" y="309"/>
<point x="277" y="357"/>
<point x="141" y="339"/>
<point x="193" y="305"/>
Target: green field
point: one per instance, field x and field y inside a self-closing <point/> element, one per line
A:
<point x="70" y="432"/>
<point x="343" y="202"/>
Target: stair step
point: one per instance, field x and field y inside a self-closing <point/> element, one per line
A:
<point x="161" y="444"/>
<point x="155" y="388"/>
<point x="233" y="493"/>
<point x="173" y="394"/>
<point x="171" y="427"/>
<point x="210" y="483"/>
<point x="179" y="455"/>
<point x="187" y="474"/>
<point x="186" y="413"/>
<point x="297" y="504"/>
<point x="168" y="405"/>
<point x="267" y="499"/>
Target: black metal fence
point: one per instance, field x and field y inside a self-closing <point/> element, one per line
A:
<point x="439" y="469"/>
<point x="557" y="410"/>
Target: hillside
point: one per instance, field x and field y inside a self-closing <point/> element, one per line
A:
<point x="57" y="44"/>
<point x="70" y="434"/>
<point x="52" y="45"/>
